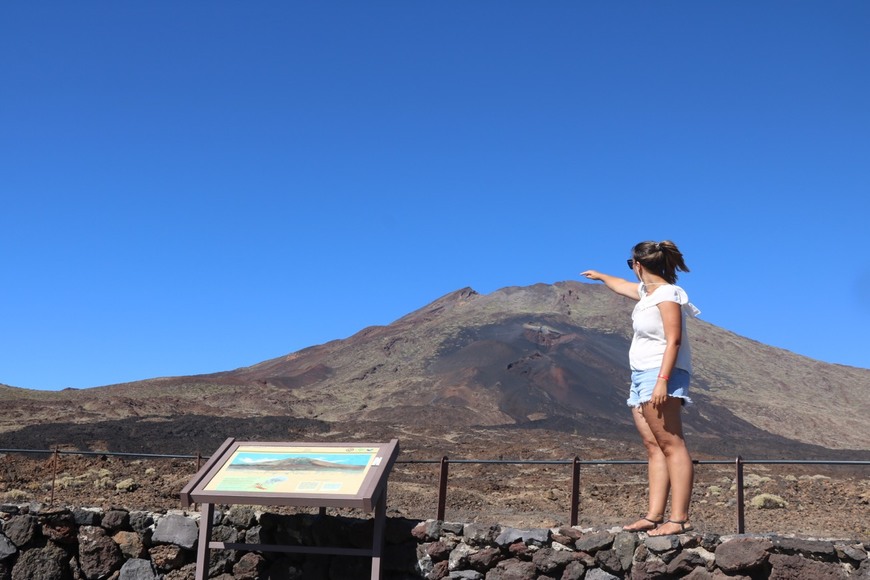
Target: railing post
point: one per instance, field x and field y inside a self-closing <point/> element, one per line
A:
<point x="53" y="476"/>
<point x="575" y="491"/>
<point x="442" y="489"/>
<point x="741" y="524"/>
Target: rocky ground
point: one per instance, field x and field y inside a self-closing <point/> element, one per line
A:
<point x="809" y="501"/>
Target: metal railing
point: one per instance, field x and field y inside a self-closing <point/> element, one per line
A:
<point x="444" y="471"/>
<point x="575" y="464"/>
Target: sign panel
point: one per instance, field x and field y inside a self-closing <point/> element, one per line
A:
<point x="290" y="469"/>
<point x="301" y="474"/>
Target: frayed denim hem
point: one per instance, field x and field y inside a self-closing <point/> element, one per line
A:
<point x="686" y="401"/>
<point x="643" y="384"/>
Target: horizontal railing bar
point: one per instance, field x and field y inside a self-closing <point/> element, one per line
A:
<point x="112" y="453"/>
<point x="805" y="462"/>
<point x="637" y="461"/>
<point x="483" y="461"/>
<point x="512" y="461"/>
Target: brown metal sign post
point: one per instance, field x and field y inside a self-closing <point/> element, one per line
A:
<point x="350" y="475"/>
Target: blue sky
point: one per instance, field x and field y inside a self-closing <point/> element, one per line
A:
<point x="190" y="187"/>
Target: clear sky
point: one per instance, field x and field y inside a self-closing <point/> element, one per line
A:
<point x="191" y="187"/>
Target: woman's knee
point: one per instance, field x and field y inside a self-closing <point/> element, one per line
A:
<point x="674" y="447"/>
<point x="653" y="450"/>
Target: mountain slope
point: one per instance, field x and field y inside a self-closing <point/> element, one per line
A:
<point x="540" y="357"/>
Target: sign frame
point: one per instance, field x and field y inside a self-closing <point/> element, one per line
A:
<point x="211" y="485"/>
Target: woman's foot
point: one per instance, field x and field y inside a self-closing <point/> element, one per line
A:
<point x="644" y="525"/>
<point x="671" y="527"/>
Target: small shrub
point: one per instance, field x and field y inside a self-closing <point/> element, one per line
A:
<point x="127" y="485"/>
<point x="768" y="501"/>
<point x="14" y="495"/>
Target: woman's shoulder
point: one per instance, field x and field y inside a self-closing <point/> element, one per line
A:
<point x="667" y="292"/>
<point x="659" y="289"/>
<point x="673" y="293"/>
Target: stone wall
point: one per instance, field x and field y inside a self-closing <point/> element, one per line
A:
<point x="116" y="544"/>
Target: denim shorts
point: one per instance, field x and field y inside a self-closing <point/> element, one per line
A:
<point x="643" y="383"/>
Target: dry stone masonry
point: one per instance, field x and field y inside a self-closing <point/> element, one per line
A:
<point x="116" y="544"/>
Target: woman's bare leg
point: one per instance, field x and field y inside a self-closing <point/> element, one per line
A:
<point x="657" y="473"/>
<point x="666" y="426"/>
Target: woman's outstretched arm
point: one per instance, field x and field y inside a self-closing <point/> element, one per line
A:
<point x="618" y="285"/>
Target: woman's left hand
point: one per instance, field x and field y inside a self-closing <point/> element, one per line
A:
<point x="660" y="393"/>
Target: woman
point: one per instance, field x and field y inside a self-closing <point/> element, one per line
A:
<point x="661" y="364"/>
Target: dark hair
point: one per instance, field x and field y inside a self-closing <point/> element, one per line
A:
<point x="662" y="258"/>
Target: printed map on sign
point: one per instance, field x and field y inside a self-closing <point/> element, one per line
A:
<point x="295" y="470"/>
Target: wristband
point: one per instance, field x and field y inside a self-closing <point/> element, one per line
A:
<point x="665" y="377"/>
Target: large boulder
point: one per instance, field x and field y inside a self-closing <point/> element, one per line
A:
<point x="594" y="541"/>
<point x="130" y="544"/>
<point x="176" y="529"/>
<point x="22" y="530"/>
<point x="512" y="570"/>
<point x="743" y="555"/>
<point x="59" y="527"/>
<point x="137" y="569"/>
<point x="7" y="548"/>
<point x="116" y="520"/>
<point x="49" y="562"/>
<point x="795" y="567"/>
<point x="99" y="555"/>
<point x="536" y="537"/>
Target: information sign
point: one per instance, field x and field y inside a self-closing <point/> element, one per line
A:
<point x="293" y="474"/>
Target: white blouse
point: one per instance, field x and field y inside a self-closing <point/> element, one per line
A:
<point x="648" y="344"/>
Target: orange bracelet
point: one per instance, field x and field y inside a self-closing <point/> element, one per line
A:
<point x="664" y="377"/>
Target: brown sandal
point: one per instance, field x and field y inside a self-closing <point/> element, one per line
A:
<point x="644" y="528"/>
<point x="685" y="526"/>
